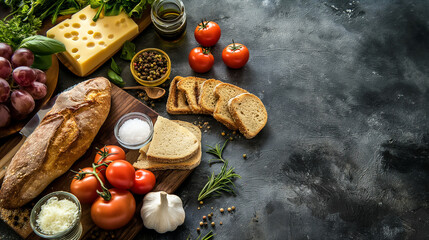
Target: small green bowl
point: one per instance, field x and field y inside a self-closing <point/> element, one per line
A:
<point x="155" y="82"/>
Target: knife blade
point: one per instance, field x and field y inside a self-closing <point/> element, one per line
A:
<point x="25" y="132"/>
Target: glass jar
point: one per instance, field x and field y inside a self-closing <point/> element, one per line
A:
<point x="72" y="233"/>
<point x="169" y="19"/>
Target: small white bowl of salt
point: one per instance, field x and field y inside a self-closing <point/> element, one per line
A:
<point x="134" y="130"/>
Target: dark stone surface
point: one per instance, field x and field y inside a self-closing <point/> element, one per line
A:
<point x="345" y="153"/>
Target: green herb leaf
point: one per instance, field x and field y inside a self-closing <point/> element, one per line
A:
<point x="138" y="9"/>
<point x="13" y="31"/>
<point x="115" y="78"/>
<point x="42" y="62"/>
<point x="115" y="67"/>
<point x="223" y="181"/>
<point x="42" y="45"/>
<point x="128" y="51"/>
<point x="113" y="10"/>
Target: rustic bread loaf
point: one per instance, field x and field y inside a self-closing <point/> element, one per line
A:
<point x="207" y="99"/>
<point x="171" y="142"/>
<point x="191" y="87"/>
<point x="176" y="102"/>
<point x="224" y="92"/>
<point x="249" y="114"/>
<point x="144" y="163"/>
<point x="63" y="136"/>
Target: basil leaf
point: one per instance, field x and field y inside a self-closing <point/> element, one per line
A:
<point x="113" y="10"/>
<point x="115" y="78"/>
<point x="115" y="67"/>
<point x="128" y="51"/>
<point x="42" y="45"/>
<point x="42" y="62"/>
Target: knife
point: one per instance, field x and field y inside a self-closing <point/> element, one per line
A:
<point x="25" y="132"/>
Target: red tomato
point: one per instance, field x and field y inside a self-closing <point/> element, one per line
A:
<point x="109" y="153"/>
<point x="207" y="33"/>
<point x="200" y="60"/>
<point x="85" y="189"/>
<point x="235" y="55"/>
<point x="144" y="182"/>
<point x="116" y="212"/>
<point x="120" y="174"/>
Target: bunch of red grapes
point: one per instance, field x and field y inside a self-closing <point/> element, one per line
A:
<point x="20" y="85"/>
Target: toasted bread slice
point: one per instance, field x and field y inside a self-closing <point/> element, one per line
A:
<point x="171" y="142"/>
<point x="224" y="92"/>
<point x="191" y="87"/>
<point x="249" y="114"/>
<point x="207" y="99"/>
<point x="144" y="163"/>
<point x="176" y="102"/>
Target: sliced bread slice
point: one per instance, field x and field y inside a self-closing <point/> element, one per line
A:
<point x="191" y="127"/>
<point x="224" y="92"/>
<point x="191" y="87"/>
<point x="143" y="163"/>
<point x="249" y="114"/>
<point x="171" y="142"/>
<point x="176" y="102"/>
<point x="207" y="99"/>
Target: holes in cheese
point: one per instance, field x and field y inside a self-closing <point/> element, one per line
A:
<point x="94" y="41"/>
<point x="66" y="25"/>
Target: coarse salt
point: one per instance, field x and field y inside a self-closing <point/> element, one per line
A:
<point x="134" y="131"/>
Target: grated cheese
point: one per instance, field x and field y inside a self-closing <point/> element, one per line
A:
<point x="56" y="216"/>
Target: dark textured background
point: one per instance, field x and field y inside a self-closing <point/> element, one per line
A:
<point x="345" y="153"/>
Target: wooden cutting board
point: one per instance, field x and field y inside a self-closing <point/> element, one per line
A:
<point x="168" y="180"/>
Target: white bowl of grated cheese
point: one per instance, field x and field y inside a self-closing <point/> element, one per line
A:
<point x="134" y="130"/>
<point x="57" y="216"/>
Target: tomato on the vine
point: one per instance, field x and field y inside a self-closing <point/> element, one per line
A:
<point x="115" y="212"/>
<point x="201" y="60"/>
<point x="235" y="55"/>
<point x="207" y="33"/>
<point x="109" y="153"/>
<point x="120" y="174"/>
<point x="144" y="182"/>
<point x="85" y="189"/>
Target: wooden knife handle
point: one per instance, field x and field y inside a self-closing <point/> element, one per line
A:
<point x="4" y="162"/>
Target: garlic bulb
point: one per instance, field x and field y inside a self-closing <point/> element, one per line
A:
<point x="162" y="212"/>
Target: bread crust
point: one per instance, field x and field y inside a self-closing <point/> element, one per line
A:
<point x="176" y="102"/>
<point x="62" y="137"/>
<point x="191" y="87"/>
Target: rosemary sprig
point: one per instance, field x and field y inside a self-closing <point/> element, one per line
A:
<point x="223" y="181"/>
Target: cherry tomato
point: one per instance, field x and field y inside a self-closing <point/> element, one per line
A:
<point x="85" y="189"/>
<point x="144" y="182"/>
<point x="200" y="60"/>
<point x="116" y="212"/>
<point x="207" y="33"/>
<point x="109" y="153"/>
<point x="120" y="174"/>
<point x="235" y="55"/>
